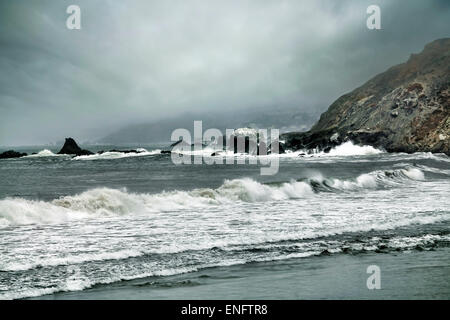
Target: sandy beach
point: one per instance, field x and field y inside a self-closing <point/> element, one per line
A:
<point x="405" y="275"/>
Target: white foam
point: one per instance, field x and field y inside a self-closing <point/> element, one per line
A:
<point x="252" y="191"/>
<point x="343" y="150"/>
<point x="106" y="202"/>
<point x="72" y="260"/>
<point x="350" y="149"/>
<point x="373" y="179"/>
<point x="79" y="283"/>
<point x="118" y="155"/>
<point x="204" y="151"/>
<point x="44" y="153"/>
<point x="364" y="181"/>
<point x="414" y="174"/>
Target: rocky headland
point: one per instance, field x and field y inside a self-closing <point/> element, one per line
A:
<point x="405" y="109"/>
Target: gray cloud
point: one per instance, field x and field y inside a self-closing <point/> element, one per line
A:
<point x="139" y="61"/>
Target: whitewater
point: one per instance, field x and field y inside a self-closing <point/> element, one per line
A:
<point x="67" y="224"/>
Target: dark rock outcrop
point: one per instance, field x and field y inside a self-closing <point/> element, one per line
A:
<point x="242" y="140"/>
<point x="243" y="144"/>
<point x="247" y="140"/>
<point x="181" y="144"/>
<point x="405" y="109"/>
<point x="177" y="143"/>
<point x="11" y="154"/>
<point x="121" y="151"/>
<point x="71" y="147"/>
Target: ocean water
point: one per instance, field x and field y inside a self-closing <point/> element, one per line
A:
<point x="69" y="224"/>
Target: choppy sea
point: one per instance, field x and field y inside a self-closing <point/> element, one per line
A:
<point x="71" y="223"/>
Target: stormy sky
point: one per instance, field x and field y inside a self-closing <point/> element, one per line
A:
<point x="140" y="61"/>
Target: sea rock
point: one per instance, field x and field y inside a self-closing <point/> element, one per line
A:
<point x="178" y="142"/>
<point x="311" y="140"/>
<point x="418" y="91"/>
<point x="11" y="154"/>
<point x="250" y="141"/>
<point x="244" y="140"/>
<point x="122" y="151"/>
<point x="327" y="149"/>
<point x="71" y="147"/>
<point x="184" y="145"/>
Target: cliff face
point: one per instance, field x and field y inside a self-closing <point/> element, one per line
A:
<point x="405" y="109"/>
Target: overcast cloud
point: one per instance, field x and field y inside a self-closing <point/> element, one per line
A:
<point x="139" y="61"/>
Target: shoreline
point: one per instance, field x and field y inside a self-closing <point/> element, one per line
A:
<point x="404" y="275"/>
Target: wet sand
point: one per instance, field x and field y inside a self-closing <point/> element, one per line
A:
<point x="404" y="275"/>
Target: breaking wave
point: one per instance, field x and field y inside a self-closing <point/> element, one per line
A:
<point x="346" y="149"/>
<point x="118" y="155"/>
<point x="376" y="179"/>
<point x="343" y="150"/>
<point x="44" y="153"/>
<point x="76" y="279"/>
<point x="78" y="284"/>
<point x="350" y="149"/>
<point x="106" y="202"/>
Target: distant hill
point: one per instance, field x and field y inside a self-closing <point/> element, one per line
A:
<point x="405" y="109"/>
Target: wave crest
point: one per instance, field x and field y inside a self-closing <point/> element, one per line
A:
<point x="350" y="149"/>
<point x="45" y="153"/>
<point x="106" y="202"/>
<point x="140" y="152"/>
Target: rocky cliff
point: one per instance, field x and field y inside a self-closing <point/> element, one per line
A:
<point x="405" y="109"/>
